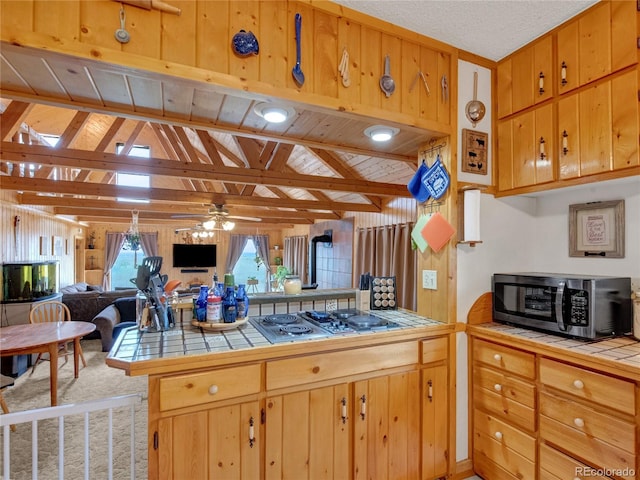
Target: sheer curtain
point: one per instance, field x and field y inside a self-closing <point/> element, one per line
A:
<point x="236" y="247"/>
<point x="386" y="251"/>
<point x="113" y="245"/>
<point x="295" y="256"/>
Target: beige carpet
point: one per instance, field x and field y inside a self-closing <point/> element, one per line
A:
<point x="95" y="382"/>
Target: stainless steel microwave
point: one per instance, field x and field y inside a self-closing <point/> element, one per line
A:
<point x="573" y="305"/>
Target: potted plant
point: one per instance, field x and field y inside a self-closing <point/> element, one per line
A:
<point x="279" y="276"/>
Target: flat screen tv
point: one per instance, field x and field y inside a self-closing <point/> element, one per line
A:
<point x="197" y="255"/>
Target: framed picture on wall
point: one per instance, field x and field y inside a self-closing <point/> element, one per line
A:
<point x="44" y="245"/>
<point x="474" y="151"/>
<point x="57" y="246"/>
<point x="596" y="229"/>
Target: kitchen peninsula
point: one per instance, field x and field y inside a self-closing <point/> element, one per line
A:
<point x="230" y="404"/>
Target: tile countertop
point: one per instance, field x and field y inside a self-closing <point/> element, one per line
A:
<point x="186" y="340"/>
<point x="621" y="354"/>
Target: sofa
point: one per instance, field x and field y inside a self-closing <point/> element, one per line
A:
<point x="86" y="302"/>
<point x="122" y="312"/>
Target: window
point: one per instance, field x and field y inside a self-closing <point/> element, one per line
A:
<point x="248" y="268"/>
<point x="134" y="179"/>
<point x="123" y="270"/>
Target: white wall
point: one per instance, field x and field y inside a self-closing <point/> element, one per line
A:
<point x="532" y="234"/>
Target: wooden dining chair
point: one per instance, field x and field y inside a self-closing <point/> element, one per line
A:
<point x="5" y="382"/>
<point x="53" y="311"/>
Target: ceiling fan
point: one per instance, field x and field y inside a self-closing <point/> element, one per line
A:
<point x="217" y="218"/>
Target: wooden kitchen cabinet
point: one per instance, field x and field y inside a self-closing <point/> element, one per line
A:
<point x="526" y="77"/>
<point x="598" y="128"/>
<point x="526" y="149"/>
<point x="215" y="443"/>
<point x="596" y="44"/>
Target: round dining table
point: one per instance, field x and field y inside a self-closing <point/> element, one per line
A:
<point x="31" y="338"/>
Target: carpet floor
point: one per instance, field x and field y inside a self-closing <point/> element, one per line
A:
<point x="97" y="381"/>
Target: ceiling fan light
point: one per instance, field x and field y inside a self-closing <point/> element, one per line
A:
<point x="209" y="225"/>
<point x="273" y="113"/>
<point x="228" y="225"/>
<point x="380" y="133"/>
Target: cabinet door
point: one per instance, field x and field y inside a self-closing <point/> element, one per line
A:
<point x="505" y="155"/>
<point x="524" y="148"/>
<point x="434" y="422"/>
<point x="543" y="69"/>
<point x="306" y="434"/>
<point x="595" y="129"/>
<point x="569" y="137"/>
<point x="213" y="444"/>
<point x="546" y="154"/>
<point x="625" y="118"/>
<point x="387" y="431"/>
<point x="595" y="43"/>
<point x="523" y="79"/>
<point x="505" y="86"/>
<point x="567" y="66"/>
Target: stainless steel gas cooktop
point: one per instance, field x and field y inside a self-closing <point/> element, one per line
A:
<point x="286" y="327"/>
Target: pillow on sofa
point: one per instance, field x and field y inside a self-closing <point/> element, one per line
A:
<point x="75" y="288"/>
<point x="95" y="288"/>
<point x="127" y="308"/>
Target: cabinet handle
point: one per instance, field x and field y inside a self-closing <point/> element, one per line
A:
<point x="578" y="384"/>
<point x="213" y="389"/>
<point x="541" y="83"/>
<point x="563" y="73"/>
<point x="497" y="387"/>
<point x="497" y="357"/>
<point x="578" y="422"/>
<point x="343" y="410"/>
<point x="565" y="142"/>
<point x="430" y="394"/>
<point x="498" y="435"/>
<point x="542" y="148"/>
<point x="252" y="437"/>
<point x="363" y="406"/>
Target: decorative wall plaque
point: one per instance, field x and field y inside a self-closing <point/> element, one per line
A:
<point x="474" y="151"/>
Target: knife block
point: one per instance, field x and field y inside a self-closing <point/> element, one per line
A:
<point x="363" y="300"/>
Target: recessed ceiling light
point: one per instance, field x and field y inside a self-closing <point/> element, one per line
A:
<point x="380" y="133"/>
<point x="273" y="113"/>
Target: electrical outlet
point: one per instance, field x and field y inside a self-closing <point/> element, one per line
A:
<point x="430" y="279"/>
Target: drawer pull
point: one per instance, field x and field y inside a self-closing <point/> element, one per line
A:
<point x="363" y="406"/>
<point x="497" y="357"/>
<point x="578" y="384"/>
<point x="213" y="389"/>
<point x="252" y="437"/>
<point x="498" y="435"/>
<point x="343" y="410"/>
<point x="497" y="387"/>
<point x="578" y="422"/>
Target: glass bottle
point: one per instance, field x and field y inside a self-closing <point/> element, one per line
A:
<point x="242" y="301"/>
<point x="229" y="306"/>
<point x="201" y="304"/>
<point x="214" y="304"/>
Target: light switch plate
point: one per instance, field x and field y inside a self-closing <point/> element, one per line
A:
<point x="430" y="279"/>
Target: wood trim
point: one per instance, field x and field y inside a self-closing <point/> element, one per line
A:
<point x="482" y="310"/>
<point x="464" y="469"/>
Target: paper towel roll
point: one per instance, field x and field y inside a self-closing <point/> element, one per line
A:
<point x="471" y="215"/>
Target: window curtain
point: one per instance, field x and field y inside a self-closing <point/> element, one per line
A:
<point x="386" y="251"/>
<point x="262" y="248"/>
<point x="149" y="244"/>
<point x="113" y="245"/>
<point x="295" y="256"/>
<point x="236" y="247"/>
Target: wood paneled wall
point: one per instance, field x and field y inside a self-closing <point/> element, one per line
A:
<point x="200" y="40"/>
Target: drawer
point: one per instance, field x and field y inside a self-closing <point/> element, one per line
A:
<point x="600" y="426"/>
<point x="487" y="426"/>
<point x="488" y="469"/>
<point x="508" y="387"/>
<point x="504" y="408"/>
<point x="504" y="358"/>
<point x="434" y="349"/>
<point x="607" y="391"/>
<point x="204" y="387"/>
<point x="327" y="366"/>
<point x="556" y="465"/>
<point x="496" y="452"/>
<point x="588" y="448"/>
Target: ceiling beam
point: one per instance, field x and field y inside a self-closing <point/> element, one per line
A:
<point x="42" y="155"/>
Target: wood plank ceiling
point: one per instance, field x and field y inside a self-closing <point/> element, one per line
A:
<point x="208" y="146"/>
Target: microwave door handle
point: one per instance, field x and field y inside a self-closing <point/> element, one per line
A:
<point x="558" y="305"/>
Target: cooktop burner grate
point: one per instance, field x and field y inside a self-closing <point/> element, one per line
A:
<point x="280" y="319"/>
<point x="295" y="329"/>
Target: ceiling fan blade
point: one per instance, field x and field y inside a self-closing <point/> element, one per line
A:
<point x="191" y="215"/>
<point x="249" y="219"/>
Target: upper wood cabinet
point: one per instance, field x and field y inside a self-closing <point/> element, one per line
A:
<point x="526" y="78"/>
<point x="598" y="128"/>
<point x="600" y="42"/>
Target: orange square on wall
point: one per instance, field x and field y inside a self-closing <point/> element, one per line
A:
<point x="437" y="232"/>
